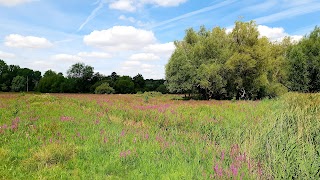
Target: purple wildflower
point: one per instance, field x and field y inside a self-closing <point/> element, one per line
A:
<point x="234" y="170"/>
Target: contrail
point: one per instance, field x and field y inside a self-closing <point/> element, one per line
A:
<point x="299" y="10"/>
<point x="206" y="9"/>
<point x="93" y="14"/>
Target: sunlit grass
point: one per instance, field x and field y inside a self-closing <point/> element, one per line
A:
<point x="133" y="137"/>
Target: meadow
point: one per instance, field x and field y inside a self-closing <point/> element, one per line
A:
<point x="152" y="136"/>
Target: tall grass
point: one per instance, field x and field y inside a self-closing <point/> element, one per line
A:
<point x="126" y="137"/>
<point x="290" y="141"/>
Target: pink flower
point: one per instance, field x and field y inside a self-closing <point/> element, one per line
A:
<point x="259" y="169"/>
<point x="123" y="154"/>
<point x="218" y="170"/>
<point x="234" y="170"/>
<point x="222" y="155"/>
<point x="65" y="118"/>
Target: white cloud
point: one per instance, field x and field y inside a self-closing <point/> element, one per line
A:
<point x="144" y="57"/>
<point x="133" y="20"/>
<point x="165" y="49"/>
<point x="135" y="66"/>
<point x="276" y="33"/>
<point x="81" y="56"/>
<point x="229" y="30"/>
<point x="132" y="48"/>
<point x="40" y="65"/>
<point x="131" y="63"/>
<point x="129" y="6"/>
<point x="120" y="38"/>
<point x="124" y="18"/>
<point x="19" y="41"/>
<point x="67" y="58"/>
<point x="96" y="55"/>
<point x="124" y="5"/>
<point x="133" y="5"/>
<point x="164" y="3"/>
<point x="5" y="55"/>
<point x="11" y="3"/>
<point x="296" y="38"/>
<point x="272" y="33"/>
<point x="148" y="68"/>
<point x="132" y="68"/>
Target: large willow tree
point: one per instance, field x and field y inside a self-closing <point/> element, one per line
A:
<point x="221" y="65"/>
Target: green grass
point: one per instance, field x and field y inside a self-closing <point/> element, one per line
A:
<point x="62" y="136"/>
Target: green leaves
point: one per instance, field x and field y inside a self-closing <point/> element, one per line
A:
<point x="18" y="84"/>
<point x="124" y="85"/>
<point x="219" y="65"/>
<point x="304" y="63"/>
<point x="104" y="88"/>
<point x="298" y="71"/>
<point x="209" y="78"/>
<point x="179" y="72"/>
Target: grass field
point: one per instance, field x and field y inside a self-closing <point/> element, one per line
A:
<point x="150" y="136"/>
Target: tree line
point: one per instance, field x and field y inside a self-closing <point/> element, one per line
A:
<point x="216" y="64"/>
<point x="80" y="79"/>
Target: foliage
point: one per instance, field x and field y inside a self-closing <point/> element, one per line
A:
<point x="219" y="65"/>
<point x="139" y="83"/>
<point x="162" y="89"/>
<point x="9" y="72"/>
<point x="124" y="85"/>
<point x="104" y="89"/>
<point x="77" y="82"/>
<point x="81" y="71"/>
<point x="153" y="84"/>
<point x="51" y="82"/>
<point x="82" y="74"/>
<point x="304" y="60"/>
<point x="18" y="84"/>
<point x="179" y="72"/>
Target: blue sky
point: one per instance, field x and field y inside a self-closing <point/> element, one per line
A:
<point x="132" y="36"/>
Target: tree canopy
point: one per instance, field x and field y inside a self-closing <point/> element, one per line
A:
<point x="242" y="64"/>
<point x="304" y="63"/>
<point x="80" y="78"/>
<point x="9" y="72"/>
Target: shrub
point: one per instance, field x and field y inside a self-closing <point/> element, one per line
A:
<point x="104" y="89"/>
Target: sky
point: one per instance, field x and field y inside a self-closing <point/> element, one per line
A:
<point x="132" y="36"/>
